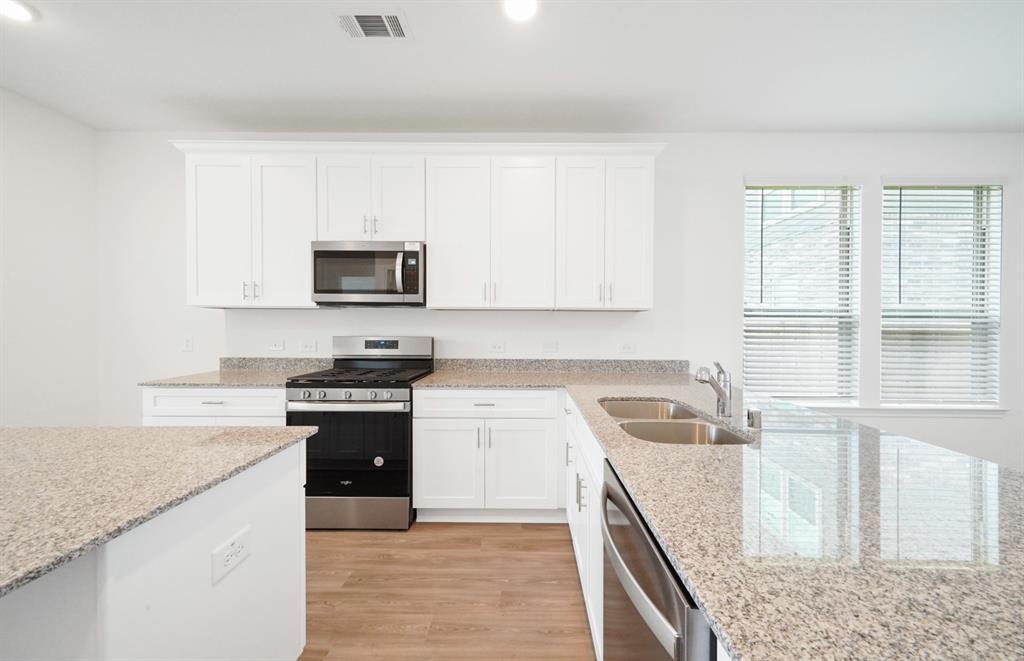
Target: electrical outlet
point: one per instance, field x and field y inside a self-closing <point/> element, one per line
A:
<point x="549" y="346"/>
<point x="497" y="347"/>
<point x="276" y="345"/>
<point x="308" y="346"/>
<point x="627" y="347"/>
<point x="188" y="344"/>
<point x="230" y="554"/>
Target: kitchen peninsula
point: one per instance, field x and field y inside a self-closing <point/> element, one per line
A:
<point x="152" y="542"/>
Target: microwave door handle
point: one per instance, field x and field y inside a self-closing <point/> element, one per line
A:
<point x="399" y="261"/>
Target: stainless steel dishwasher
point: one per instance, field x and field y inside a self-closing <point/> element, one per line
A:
<point x="647" y="614"/>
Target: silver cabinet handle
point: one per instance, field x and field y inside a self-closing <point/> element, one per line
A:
<point x="366" y="222"/>
<point x="255" y="289"/>
<point x="652" y="617"/>
<point x="245" y="290"/>
<point x="399" y="259"/>
<point x="483" y="403"/>
<point x="489" y="437"/>
<point x="577" y="491"/>
<point x="485" y="291"/>
<point x="567" y="411"/>
<point x="213" y="402"/>
<point x="582" y="504"/>
<point x="477" y="438"/>
<point x="376" y="229"/>
<point x="568" y="447"/>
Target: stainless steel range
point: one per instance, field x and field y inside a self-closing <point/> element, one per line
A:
<point x="359" y="465"/>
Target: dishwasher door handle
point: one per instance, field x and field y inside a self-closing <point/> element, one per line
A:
<point x="662" y="629"/>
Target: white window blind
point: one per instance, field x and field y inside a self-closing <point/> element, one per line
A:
<point x="800" y="296"/>
<point x="940" y="294"/>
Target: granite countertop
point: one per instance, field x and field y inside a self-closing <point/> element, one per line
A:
<point x="828" y="539"/>
<point x="66" y="490"/>
<point x="227" y="378"/>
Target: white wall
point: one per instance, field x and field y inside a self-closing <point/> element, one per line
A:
<point x="47" y="266"/>
<point x="143" y="319"/>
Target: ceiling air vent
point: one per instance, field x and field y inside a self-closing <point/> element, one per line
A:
<point x="373" y="25"/>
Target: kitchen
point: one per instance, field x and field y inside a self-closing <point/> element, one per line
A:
<point x="563" y="246"/>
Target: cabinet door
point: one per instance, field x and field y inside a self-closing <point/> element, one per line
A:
<point x="284" y="224"/>
<point x="629" y="230"/>
<point x="580" y="540"/>
<point x="570" y="485"/>
<point x="219" y="223"/>
<point x="458" y="231"/>
<point x="398" y="198"/>
<point x="522" y="457"/>
<point x="344" y="199"/>
<point x="523" y="232"/>
<point x="448" y="463"/>
<point x="579" y="241"/>
<point x="593" y="548"/>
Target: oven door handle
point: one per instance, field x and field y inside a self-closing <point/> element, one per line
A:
<point x="399" y="263"/>
<point x="348" y="407"/>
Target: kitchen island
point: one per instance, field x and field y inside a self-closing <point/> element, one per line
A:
<point x="152" y="542"/>
<point x="821" y="538"/>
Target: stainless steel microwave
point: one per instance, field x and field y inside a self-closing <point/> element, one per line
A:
<point x="368" y="273"/>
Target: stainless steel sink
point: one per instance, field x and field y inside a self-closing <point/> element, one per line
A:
<point x="646" y="409"/>
<point x="681" y="432"/>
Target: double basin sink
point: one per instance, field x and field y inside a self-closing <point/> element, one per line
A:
<point x="667" y="422"/>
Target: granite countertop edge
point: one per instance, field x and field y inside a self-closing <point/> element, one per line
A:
<point x="108" y="535"/>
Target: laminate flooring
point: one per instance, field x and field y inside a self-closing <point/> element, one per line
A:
<point x="445" y="591"/>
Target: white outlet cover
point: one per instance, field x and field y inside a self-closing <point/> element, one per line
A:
<point x="497" y="347"/>
<point x="549" y="346"/>
<point x="276" y="345"/>
<point x="188" y="344"/>
<point x="230" y="554"/>
<point x="627" y="347"/>
<point x="308" y="346"/>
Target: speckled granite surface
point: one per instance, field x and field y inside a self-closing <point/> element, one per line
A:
<point x="560" y="365"/>
<point x="66" y="490"/>
<point x="826" y="539"/>
<point x="270" y="364"/>
<point x="228" y="378"/>
<point x="491" y="374"/>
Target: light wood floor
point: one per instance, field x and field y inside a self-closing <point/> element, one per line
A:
<point x="444" y="591"/>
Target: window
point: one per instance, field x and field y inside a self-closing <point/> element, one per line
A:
<point x="940" y="294"/>
<point x="800" y="298"/>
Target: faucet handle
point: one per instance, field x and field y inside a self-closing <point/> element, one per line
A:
<point x="703" y="375"/>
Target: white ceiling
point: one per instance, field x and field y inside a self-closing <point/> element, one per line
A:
<point x="577" y="66"/>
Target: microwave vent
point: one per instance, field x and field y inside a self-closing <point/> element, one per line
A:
<point x="388" y="26"/>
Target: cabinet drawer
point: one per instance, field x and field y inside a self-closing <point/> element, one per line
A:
<point x="216" y="402"/>
<point x="445" y="403"/>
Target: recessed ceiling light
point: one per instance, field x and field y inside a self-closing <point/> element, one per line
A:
<point x="520" y="10"/>
<point x="16" y="11"/>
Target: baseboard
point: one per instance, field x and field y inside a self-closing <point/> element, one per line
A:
<point x="489" y="516"/>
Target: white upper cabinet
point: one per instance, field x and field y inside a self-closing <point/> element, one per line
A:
<point x="523" y="232"/>
<point x="345" y="200"/>
<point x="284" y="225"/>
<point x="219" y="225"/>
<point x="398" y="198"/>
<point x="370" y="198"/>
<point x="506" y="226"/>
<point x="579" y="243"/>
<point x="629" y="232"/>
<point x="458" y="231"/>
<point x="250" y="221"/>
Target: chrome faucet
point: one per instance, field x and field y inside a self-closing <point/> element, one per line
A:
<point x="722" y="385"/>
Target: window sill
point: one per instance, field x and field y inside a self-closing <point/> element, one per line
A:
<point x="896" y="411"/>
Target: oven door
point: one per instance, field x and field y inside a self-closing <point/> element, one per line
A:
<point x="358" y="465"/>
<point x="368" y="273"/>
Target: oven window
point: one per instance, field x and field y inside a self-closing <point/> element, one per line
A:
<point x="355" y="272"/>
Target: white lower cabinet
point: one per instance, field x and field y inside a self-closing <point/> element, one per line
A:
<point x="479" y="463"/>
<point x="448" y="460"/>
<point x="584" y="468"/>
<point x="212" y="407"/>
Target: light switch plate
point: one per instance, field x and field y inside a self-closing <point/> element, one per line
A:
<point x="230" y="554"/>
<point x="188" y="344"/>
